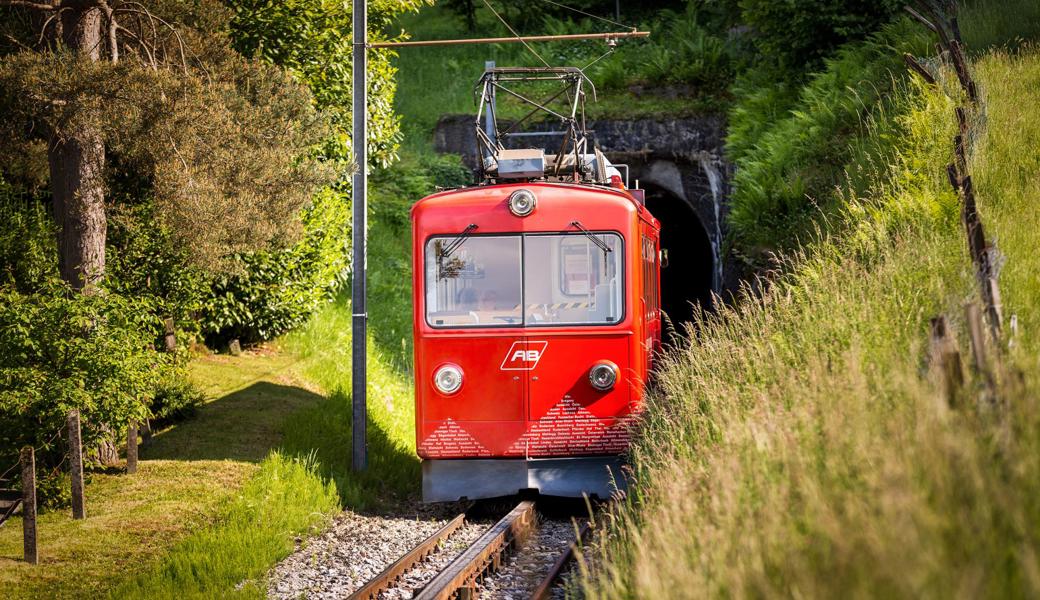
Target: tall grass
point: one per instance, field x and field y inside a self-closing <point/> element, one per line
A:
<point x="254" y="530"/>
<point x="325" y="430"/>
<point x="799" y="446"/>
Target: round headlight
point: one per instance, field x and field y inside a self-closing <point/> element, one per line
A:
<point x="522" y="203"/>
<point x="448" y="379"/>
<point x="603" y="376"/>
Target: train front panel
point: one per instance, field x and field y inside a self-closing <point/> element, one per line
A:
<point x="530" y="338"/>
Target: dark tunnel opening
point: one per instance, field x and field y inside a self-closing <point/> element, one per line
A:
<point x="687" y="280"/>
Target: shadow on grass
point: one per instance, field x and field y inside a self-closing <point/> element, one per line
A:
<point x="393" y="475"/>
<point x="246" y="425"/>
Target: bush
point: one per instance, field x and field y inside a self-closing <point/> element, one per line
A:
<point x="273" y="291"/>
<point x="796" y="33"/>
<point x="54" y="490"/>
<point x="176" y="398"/>
<point x="61" y="350"/>
<point x="28" y="254"/>
<point x="143" y="262"/>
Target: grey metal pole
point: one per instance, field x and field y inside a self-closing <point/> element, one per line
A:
<point x="489" y="114"/>
<point x="358" y="293"/>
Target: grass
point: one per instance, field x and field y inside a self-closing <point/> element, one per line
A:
<point x="297" y="401"/>
<point x="800" y="445"/>
<point x="130" y="520"/>
<point x="188" y="480"/>
<point x="325" y="429"/>
<point x="255" y="529"/>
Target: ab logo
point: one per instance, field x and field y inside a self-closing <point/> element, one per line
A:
<point x="520" y="358"/>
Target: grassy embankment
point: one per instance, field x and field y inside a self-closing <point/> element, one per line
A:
<point x="801" y="446"/>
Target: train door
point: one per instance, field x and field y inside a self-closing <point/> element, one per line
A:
<point x="472" y="300"/>
<point x="573" y="283"/>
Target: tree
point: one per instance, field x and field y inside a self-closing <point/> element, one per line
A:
<point x="796" y="33"/>
<point x="223" y="141"/>
<point x="466" y="10"/>
<point x="91" y="90"/>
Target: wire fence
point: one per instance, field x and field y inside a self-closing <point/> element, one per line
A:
<point x="940" y="17"/>
<point x="12" y="499"/>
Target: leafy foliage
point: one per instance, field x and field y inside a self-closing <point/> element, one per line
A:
<point x="791" y="150"/>
<point x="313" y="41"/>
<point x="796" y="33"/>
<point x="276" y="290"/>
<point x="220" y="139"/>
<point x="273" y="290"/>
<point x="61" y="351"/>
<point x="145" y="262"/>
<point x="28" y="255"/>
<point x="175" y="398"/>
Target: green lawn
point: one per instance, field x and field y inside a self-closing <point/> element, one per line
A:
<point x="188" y="475"/>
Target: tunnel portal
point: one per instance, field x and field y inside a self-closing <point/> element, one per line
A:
<point x="687" y="280"/>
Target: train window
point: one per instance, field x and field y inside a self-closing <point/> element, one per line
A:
<point x="475" y="284"/>
<point x="573" y="279"/>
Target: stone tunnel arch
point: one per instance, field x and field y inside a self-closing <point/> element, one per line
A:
<point x="681" y="164"/>
<point x="688" y="279"/>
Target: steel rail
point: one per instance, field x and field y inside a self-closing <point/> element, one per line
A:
<point x="523" y="38"/>
<point x="386" y="579"/>
<point x="460" y="577"/>
<point x="544" y="589"/>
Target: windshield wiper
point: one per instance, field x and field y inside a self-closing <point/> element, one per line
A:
<point x="458" y="241"/>
<point x="592" y="236"/>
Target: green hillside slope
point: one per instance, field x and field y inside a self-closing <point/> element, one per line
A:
<point x="800" y="445"/>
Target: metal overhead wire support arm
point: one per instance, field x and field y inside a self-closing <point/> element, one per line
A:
<point x="617" y="35"/>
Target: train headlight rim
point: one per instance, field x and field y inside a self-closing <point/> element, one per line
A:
<point x="522" y="202"/>
<point x="448" y="379"/>
<point x="603" y="375"/>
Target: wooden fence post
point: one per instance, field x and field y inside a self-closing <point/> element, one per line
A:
<point x="973" y="317"/>
<point x="918" y="68"/>
<point x="28" y="460"/>
<point x="995" y="310"/>
<point x="131" y="448"/>
<point x="76" y="466"/>
<point x="170" y="336"/>
<point x="946" y="360"/>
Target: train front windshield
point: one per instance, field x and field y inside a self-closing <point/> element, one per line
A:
<point x="525" y="280"/>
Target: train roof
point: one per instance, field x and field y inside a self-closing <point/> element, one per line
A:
<point x="487" y="197"/>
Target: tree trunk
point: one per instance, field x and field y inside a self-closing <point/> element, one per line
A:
<point x="77" y="164"/>
<point x="77" y="185"/>
<point x="107" y="450"/>
<point x="77" y="169"/>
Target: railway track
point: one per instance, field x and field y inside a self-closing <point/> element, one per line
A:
<point x="467" y="575"/>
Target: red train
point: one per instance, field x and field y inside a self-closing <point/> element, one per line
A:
<point x="536" y="319"/>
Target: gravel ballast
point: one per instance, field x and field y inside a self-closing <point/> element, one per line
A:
<point x="525" y="567"/>
<point x="353" y="550"/>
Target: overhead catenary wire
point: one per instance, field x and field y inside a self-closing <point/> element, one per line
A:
<point x="515" y="34"/>
<point x="587" y="14"/>
<point x="610" y="50"/>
